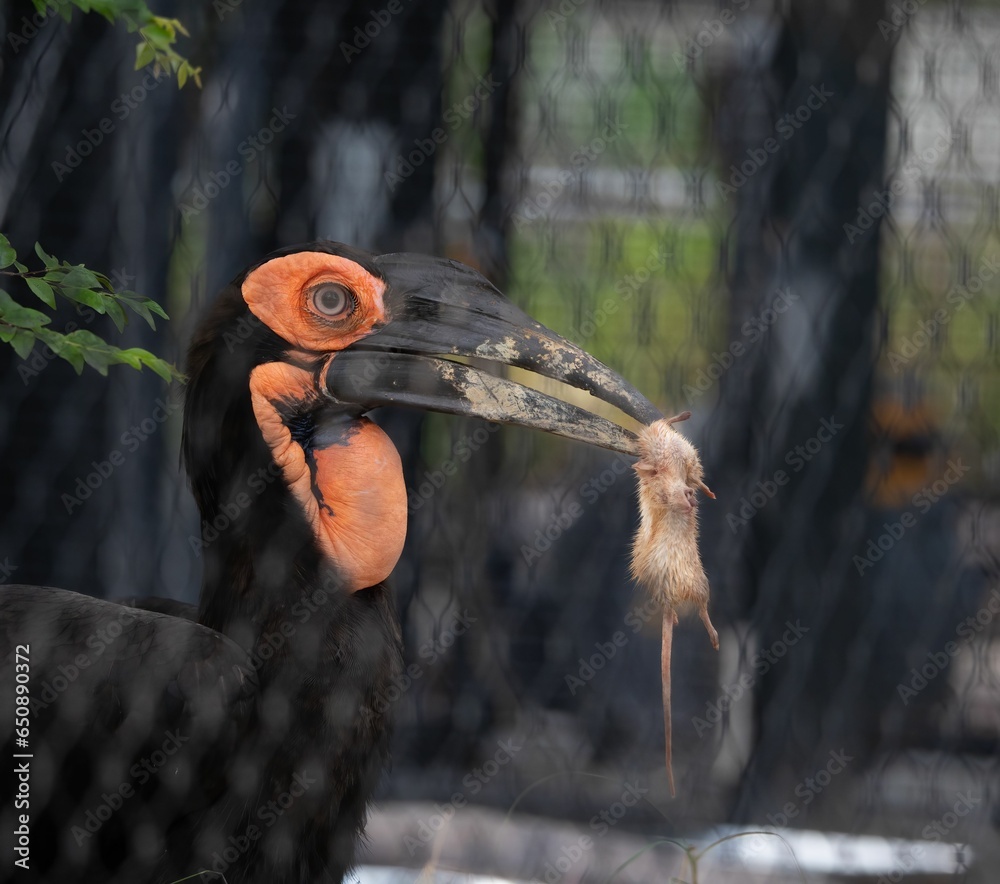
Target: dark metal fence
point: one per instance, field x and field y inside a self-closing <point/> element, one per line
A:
<point x="781" y="216"/>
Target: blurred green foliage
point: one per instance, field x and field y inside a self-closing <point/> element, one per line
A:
<point x="22" y="327"/>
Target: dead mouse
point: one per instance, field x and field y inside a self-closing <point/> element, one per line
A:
<point x="665" y="555"/>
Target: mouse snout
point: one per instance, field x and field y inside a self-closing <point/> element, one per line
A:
<point x="677" y="497"/>
<point x="690" y="497"/>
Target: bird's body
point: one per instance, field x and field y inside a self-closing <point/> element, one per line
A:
<point x="174" y="749"/>
<point x="665" y="557"/>
<point x="244" y="738"/>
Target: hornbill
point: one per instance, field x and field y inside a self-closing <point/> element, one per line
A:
<point x="244" y="738"/>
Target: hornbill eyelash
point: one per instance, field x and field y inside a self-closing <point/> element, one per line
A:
<point x="333" y="301"/>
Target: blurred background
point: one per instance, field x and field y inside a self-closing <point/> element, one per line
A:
<point x="781" y="216"/>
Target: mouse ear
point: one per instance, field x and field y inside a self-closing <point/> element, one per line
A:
<point x="644" y="469"/>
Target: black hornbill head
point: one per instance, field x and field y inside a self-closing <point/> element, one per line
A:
<point x="316" y="335"/>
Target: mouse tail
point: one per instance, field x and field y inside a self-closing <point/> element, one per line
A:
<point x="669" y="619"/>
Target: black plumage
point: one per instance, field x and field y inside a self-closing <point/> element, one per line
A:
<point x="276" y="679"/>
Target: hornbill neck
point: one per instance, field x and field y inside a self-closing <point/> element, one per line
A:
<point x="320" y="651"/>
<point x="263" y="545"/>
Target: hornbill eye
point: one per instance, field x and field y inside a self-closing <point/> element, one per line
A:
<point x="332" y="301"/>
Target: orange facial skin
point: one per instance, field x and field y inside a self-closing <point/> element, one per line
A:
<point x="350" y="483"/>
<point x="277" y="294"/>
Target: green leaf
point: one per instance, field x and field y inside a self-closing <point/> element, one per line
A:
<point x="131" y="357"/>
<point x="108" y="9"/>
<point x="49" y="262"/>
<point x="154" y="307"/>
<point x="64" y="348"/>
<point x="164" y="369"/>
<point x="144" y="54"/>
<point x="83" y="338"/>
<point x="182" y="76"/>
<point x="23" y="342"/>
<point x="13" y="313"/>
<point x="7" y="255"/>
<point x="78" y="276"/>
<point x="7" y="333"/>
<point x="143" y="311"/>
<point x="98" y="359"/>
<point x="50" y="337"/>
<point x="44" y="291"/>
<point x="160" y="33"/>
<point x="115" y="311"/>
<point x="145" y="307"/>
<point x="85" y="296"/>
<point x="85" y="348"/>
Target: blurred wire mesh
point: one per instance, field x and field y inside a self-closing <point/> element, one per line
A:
<point x="783" y="217"/>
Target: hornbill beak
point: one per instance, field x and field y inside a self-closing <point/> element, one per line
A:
<point x="437" y="309"/>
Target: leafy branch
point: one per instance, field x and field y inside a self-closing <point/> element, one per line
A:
<point x="22" y="327"/>
<point x="157" y="35"/>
